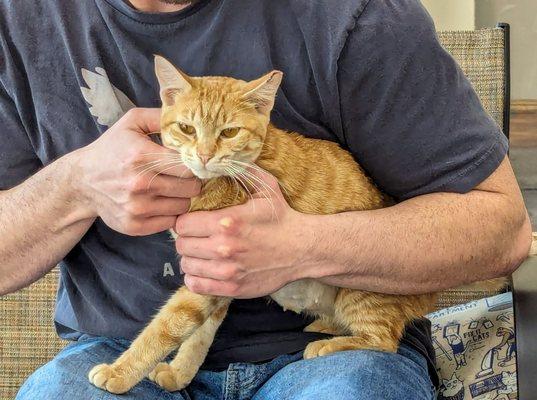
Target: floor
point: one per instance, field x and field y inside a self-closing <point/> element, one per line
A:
<point x="523" y="155"/>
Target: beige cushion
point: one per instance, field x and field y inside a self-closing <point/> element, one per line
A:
<point x="475" y="349"/>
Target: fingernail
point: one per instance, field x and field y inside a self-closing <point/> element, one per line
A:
<point x="226" y="222"/>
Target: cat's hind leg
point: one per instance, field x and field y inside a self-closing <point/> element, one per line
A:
<point x="372" y="321"/>
<point x="357" y="342"/>
<point x="183" y="368"/>
<point x="176" y="321"/>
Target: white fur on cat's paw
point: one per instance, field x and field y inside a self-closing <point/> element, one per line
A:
<point x="105" y="377"/>
<point x="169" y="378"/>
<point x="317" y="349"/>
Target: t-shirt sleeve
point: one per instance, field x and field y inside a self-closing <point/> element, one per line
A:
<point x="409" y="115"/>
<point x="18" y="159"/>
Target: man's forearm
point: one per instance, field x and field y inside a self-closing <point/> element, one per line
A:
<point x="425" y="244"/>
<point x="41" y="220"/>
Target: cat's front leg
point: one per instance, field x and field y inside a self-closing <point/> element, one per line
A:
<point x="177" y="320"/>
<point x="183" y="368"/>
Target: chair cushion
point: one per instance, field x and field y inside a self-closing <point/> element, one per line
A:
<point x="476" y="350"/>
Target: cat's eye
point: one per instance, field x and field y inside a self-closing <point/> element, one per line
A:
<point x="230" y="132"/>
<point x="186" y="129"/>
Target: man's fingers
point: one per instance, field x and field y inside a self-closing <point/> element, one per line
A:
<point x="201" y="223"/>
<point x="144" y="120"/>
<point x="160" y="206"/>
<point x="206" y="286"/>
<point x="169" y="186"/>
<point x="207" y="268"/>
<point x="149" y="226"/>
<point x="204" y="248"/>
<point x="172" y="168"/>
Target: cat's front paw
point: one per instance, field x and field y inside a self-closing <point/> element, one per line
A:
<point x="104" y="376"/>
<point x="318" y="348"/>
<point x="170" y="378"/>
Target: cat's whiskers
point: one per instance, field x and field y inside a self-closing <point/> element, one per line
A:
<point x="161" y="154"/>
<point x="246" y="174"/>
<point x="173" y="165"/>
<point x="262" y="171"/>
<point x="235" y="174"/>
<point x="167" y="157"/>
<point x="245" y="184"/>
<point x="262" y="189"/>
<point x="154" y="165"/>
<point x="237" y="185"/>
<point x="157" y="164"/>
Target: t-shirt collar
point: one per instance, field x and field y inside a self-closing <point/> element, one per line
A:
<point x="125" y="8"/>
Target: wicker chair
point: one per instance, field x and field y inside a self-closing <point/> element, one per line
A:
<point x="27" y="337"/>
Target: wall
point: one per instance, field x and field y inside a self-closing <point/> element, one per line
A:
<point x="522" y="15"/>
<point x="452" y="14"/>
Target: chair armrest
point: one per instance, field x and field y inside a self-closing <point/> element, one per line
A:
<point x="525" y="304"/>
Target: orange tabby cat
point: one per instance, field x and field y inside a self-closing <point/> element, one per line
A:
<point x="226" y="121"/>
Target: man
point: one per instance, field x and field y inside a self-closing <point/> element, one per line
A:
<point x="370" y="75"/>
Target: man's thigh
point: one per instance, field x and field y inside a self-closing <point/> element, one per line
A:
<point x="65" y="377"/>
<point x="353" y="375"/>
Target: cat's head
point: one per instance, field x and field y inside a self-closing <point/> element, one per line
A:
<point x="452" y="385"/>
<point x="217" y="124"/>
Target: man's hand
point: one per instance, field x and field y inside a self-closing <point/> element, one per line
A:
<point x="244" y="251"/>
<point x="136" y="186"/>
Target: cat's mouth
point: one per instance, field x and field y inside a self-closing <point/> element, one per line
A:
<point x="207" y="173"/>
<point x="222" y="167"/>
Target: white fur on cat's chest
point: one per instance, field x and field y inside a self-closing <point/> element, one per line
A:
<point x="307" y="295"/>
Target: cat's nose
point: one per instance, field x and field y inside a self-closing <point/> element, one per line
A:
<point x="204" y="158"/>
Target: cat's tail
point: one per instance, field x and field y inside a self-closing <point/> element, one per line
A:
<point x="490" y="285"/>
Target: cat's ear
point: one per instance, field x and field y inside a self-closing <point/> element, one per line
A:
<point x="171" y="80"/>
<point x="262" y="92"/>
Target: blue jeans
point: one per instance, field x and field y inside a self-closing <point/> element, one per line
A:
<point x="345" y="375"/>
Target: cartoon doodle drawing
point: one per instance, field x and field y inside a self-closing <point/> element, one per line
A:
<point x="509" y="382"/>
<point x="508" y="339"/>
<point x="487" y="364"/>
<point x="505" y="383"/>
<point x="486" y="385"/>
<point x="506" y="317"/>
<point x="436" y="343"/>
<point x="451" y="389"/>
<point x="493" y="396"/>
<point x="454" y="339"/>
<point x="500" y="302"/>
<point x="487" y="323"/>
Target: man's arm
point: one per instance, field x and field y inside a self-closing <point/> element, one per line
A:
<point x="425" y="244"/>
<point x="45" y="216"/>
<point x="429" y="243"/>
<point x="40" y="221"/>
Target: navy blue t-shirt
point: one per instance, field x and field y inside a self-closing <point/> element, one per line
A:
<point x="368" y="74"/>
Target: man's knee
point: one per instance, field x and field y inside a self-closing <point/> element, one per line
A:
<point x="65" y="377"/>
<point x="352" y="375"/>
<point x="55" y="381"/>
